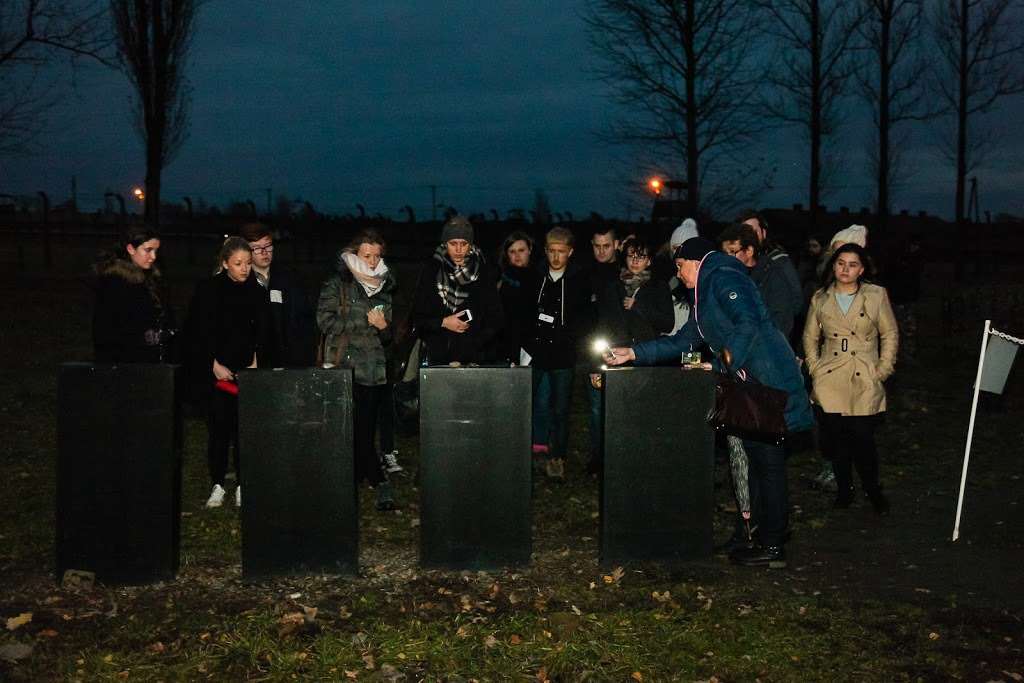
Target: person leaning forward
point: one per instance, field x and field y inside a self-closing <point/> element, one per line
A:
<point x="729" y="313"/>
<point x="457" y="310"/>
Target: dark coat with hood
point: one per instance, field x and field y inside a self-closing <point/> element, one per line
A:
<point x="780" y="288"/>
<point x="728" y="312"/>
<point x="131" y="322"/>
<point x="350" y="341"/>
<point x="478" y="344"/>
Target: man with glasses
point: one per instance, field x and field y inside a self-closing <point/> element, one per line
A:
<point x="292" y="312"/>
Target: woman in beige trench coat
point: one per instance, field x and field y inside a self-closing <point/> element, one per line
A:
<point x="850" y="342"/>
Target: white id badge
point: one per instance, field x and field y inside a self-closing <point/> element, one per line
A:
<point x="276" y="297"/>
<point x="545" y="318"/>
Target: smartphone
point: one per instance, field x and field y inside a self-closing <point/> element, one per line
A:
<point x="466" y="315"/>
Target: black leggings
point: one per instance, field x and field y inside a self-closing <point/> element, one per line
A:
<point x="849" y="440"/>
<point x="222" y="429"/>
<point x="367" y="404"/>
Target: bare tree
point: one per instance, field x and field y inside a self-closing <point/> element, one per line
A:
<point x="34" y="34"/>
<point x="893" y="84"/>
<point x="981" y="45"/>
<point x="810" y="73"/>
<point x="685" y="71"/>
<point x="153" y="40"/>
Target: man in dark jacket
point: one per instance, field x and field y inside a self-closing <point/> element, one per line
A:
<point x="772" y="277"/>
<point x="293" y="323"/>
<point x="602" y="272"/>
<point x="776" y="258"/>
<point x="560" y="312"/>
<point x="729" y="313"/>
<point x="457" y="311"/>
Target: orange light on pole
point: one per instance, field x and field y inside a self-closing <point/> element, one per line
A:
<point x="138" y="193"/>
<point x="655" y="185"/>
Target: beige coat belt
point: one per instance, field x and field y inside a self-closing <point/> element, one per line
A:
<point x="833" y="344"/>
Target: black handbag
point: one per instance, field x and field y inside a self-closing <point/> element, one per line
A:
<point x="747" y="408"/>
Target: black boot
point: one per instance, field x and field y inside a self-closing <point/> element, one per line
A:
<point x="772" y="556"/>
<point x="844" y="498"/>
<point x="878" y="501"/>
<point x="742" y="538"/>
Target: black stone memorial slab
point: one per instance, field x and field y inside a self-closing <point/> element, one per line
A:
<point x="656" y="488"/>
<point x="118" y="471"/>
<point x="475" y="474"/>
<point x="299" y="507"/>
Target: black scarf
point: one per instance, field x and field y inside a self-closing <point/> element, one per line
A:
<point x="452" y="280"/>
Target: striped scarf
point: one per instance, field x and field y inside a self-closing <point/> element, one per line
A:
<point x="452" y="280"/>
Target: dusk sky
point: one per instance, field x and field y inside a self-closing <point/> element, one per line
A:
<point x="342" y="103"/>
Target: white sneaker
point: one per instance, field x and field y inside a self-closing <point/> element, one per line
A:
<point x="216" y="498"/>
<point x="238" y="496"/>
<point x="391" y="462"/>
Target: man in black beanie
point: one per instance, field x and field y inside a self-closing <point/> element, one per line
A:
<point x="457" y="311"/>
<point x="729" y="314"/>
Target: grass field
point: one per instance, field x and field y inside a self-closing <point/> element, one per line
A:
<point x="863" y="598"/>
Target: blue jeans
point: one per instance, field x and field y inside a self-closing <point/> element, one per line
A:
<point x="541" y="399"/>
<point x="556" y="407"/>
<point x="769" y="495"/>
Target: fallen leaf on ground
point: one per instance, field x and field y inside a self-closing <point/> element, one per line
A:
<point x="490" y="641"/>
<point x="19" y="621"/>
<point x="933" y="636"/>
<point x="12" y="652"/>
<point x="369" y="661"/>
<point x="77" y="580"/>
<point x="48" y="633"/>
<point x="515" y="639"/>
<point x="637" y="676"/>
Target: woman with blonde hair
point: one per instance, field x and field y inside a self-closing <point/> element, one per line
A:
<point x="850" y="341"/>
<point x="229" y="330"/>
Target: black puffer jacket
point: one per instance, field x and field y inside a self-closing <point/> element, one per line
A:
<point x="131" y="323"/>
<point x="351" y="341"/>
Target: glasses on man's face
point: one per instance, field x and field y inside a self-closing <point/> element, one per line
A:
<point x="256" y="249"/>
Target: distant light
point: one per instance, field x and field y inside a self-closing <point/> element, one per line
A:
<point x="655" y="185"/>
<point x="138" y="193"/>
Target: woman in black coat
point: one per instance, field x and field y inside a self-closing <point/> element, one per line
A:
<point x="517" y="290"/>
<point x="131" y="321"/>
<point x="634" y="307"/>
<point x="457" y="310"/>
<point x="229" y="329"/>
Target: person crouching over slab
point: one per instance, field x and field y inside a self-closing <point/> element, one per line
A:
<point x="728" y="313"/>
